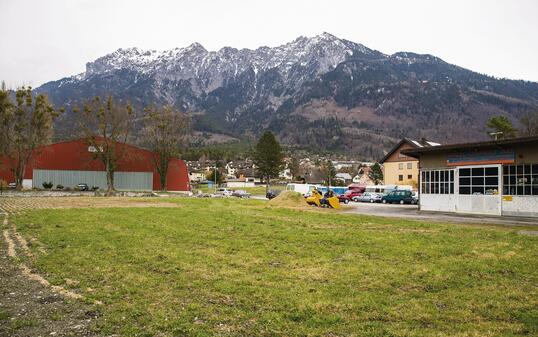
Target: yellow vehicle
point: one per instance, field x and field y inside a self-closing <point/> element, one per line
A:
<point x="316" y="199"/>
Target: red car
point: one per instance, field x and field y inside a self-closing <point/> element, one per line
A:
<point x="348" y="195"/>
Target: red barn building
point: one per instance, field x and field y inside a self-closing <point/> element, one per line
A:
<point x="72" y="162"/>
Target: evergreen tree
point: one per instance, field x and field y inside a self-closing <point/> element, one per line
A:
<point x="268" y="157"/>
<point x="25" y="126"/>
<point x="501" y="127"/>
<point x="376" y="173"/>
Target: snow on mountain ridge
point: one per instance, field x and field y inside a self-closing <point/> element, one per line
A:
<point x="322" y="52"/>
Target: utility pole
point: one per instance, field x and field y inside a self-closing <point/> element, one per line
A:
<point x="215" y="174"/>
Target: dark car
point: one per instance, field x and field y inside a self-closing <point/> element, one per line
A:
<point x="272" y="194"/>
<point x="82" y="187"/>
<point x="399" y="197"/>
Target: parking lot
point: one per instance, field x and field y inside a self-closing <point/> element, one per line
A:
<point x="412" y="212"/>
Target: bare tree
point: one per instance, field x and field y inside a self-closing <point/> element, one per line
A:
<point x="104" y="124"/>
<point x="25" y="126"/>
<point x="165" y="131"/>
<point x="530" y="124"/>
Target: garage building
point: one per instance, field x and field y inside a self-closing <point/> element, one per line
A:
<point x="72" y="162"/>
<point x="494" y="177"/>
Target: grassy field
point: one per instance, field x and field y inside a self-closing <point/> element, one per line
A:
<point x="238" y="267"/>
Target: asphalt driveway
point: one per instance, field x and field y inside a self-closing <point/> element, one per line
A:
<point x="412" y="212"/>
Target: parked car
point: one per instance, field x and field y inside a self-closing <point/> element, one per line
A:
<point x="82" y="187"/>
<point x="12" y="186"/>
<point x="368" y="197"/>
<point x="272" y="194"/>
<point x="351" y="193"/>
<point x="241" y="194"/>
<point x="224" y="192"/>
<point x="344" y="198"/>
<point x="398" y="196"/>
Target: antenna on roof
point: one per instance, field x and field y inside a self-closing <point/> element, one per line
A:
<point x="496" y="134"/>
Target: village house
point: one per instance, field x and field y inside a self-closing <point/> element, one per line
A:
<point x="400" y="169"/>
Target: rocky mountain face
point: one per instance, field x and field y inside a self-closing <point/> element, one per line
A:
<point x="321" y="93"/>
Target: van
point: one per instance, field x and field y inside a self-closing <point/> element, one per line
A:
<point x="398" y="196"/>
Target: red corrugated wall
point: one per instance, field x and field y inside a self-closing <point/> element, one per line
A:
<point x="74" y="155"/>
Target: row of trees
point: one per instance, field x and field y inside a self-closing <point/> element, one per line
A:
<point x="27" y="124"/>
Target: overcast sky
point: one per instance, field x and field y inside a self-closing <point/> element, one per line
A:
<point x="44" y="40"/>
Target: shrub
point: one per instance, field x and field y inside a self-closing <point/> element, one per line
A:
<point x="47" y="185"/>
<point x="95" y="188"/>
<point x="59" y="187"/>
<point x="3" y="186"/>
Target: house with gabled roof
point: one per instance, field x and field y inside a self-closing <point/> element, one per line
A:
<point x="400" y="169"/>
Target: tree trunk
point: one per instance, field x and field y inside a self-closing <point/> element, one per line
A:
<point x="19" y="175"/>
<point x="267" y="180"/>
<point x="163" y="174"/>
<point x="109" y="181"/>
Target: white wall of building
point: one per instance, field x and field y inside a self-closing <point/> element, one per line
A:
<point x="520" y="205"/>
<point x="438" y="202"/>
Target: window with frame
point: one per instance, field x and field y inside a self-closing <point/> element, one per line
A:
<point x="409" y="176"/>
<point x="409" y="166"/>
<point x="400" y="166"/>
<point x="400" y="177"/>
<point x="520" y="179"/>
<point x="479" y="181"/>
<point x="437" y="181"/>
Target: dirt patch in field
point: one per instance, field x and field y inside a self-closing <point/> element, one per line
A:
<point x="289" y="199"/>
<point x="12" y="205"/>
<point x="30" y="307"/>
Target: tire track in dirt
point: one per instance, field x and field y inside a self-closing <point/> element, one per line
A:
<point x="30" y="305"/>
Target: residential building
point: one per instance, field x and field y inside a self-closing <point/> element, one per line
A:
<point x="400" y="169"/>
<point x="493" y="177"/>
<point x="346" y="178"/>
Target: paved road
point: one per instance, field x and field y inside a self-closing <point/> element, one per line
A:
<point x="412" y="212"/>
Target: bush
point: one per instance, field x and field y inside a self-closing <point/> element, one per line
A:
<point x="95" y="188"/>
<point x="3" y="186"/>
<point x="47" y="185"/>
<point x="59" y="187"/>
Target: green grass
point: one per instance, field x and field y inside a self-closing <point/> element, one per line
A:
<point x="238" y="267"/>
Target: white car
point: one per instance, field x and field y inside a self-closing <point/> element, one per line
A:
<point x="368" y="197"/>
<point x="241" y="194"/>
<point x="224" y="192"/>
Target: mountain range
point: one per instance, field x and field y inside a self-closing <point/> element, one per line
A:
<point x="318" y="92"/>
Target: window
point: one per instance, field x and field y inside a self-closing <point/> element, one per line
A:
<point x="400" y="166"/>
<point x="409" y="166"/>
<point x="437" y="182"/>
<point x="479" y="180"/>
<point x="400" y="177"/>
<point x="520" y="179"/>
<point x="409" y="176"/>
